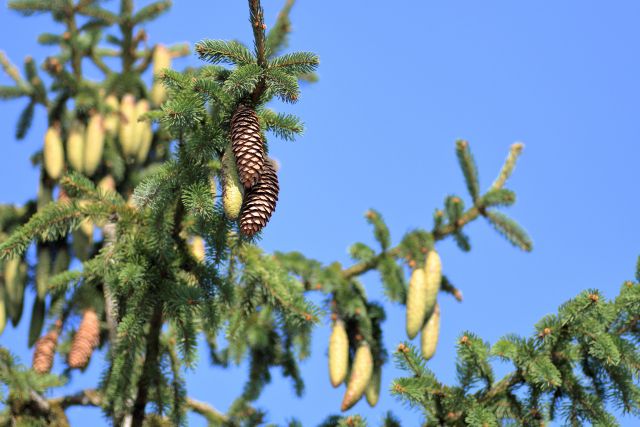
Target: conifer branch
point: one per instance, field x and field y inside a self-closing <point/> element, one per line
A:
<point x="438" y="234"/>
<point x="211" y="414"/>
<point x="76" y="54"/>
<point x="495" y="196"/>
<point x="126" y="28"/>
<point x="258" y="26"/>
<point x="88" y="397"/>
<point x="509" y="165"/>
<point x="13" y="72"/>
<point x="278" y="34"/>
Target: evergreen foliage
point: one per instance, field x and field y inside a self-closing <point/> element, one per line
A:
<point x="162" y="264"/>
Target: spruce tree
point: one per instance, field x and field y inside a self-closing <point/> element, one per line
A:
<point x="161" y="191"/>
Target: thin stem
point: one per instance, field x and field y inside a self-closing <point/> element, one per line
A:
<point x="258" y="26"/>
<point x="438" y="234"/>
<point x="209" y="412"/>
<point x="88" y="397"/>
<point x="126" y="28"/>
<point x="76" y="55"/>
<point x="503" y="385"/>
<point x="257" y="23"/>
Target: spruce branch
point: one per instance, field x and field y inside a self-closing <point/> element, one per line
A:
<point x="211" y="414"/>
<point x="151" y="11"/>
<point x="277" y="37"/>
<point x="259" y="27"/>
<point x="88" y="397"/>
<point x="13" y="72"/>
<point x="459" y="219"/>
<point x="224" y="52"/>
<point x="509" y="165"/>
<point x="510" y="229"/>
<point x="469" y="169"/>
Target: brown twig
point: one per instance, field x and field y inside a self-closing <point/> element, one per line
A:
<point x="209" y="412"/>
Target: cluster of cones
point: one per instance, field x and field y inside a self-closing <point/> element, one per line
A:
<point x="250" y="188"/>
<point x="84" y="342"/>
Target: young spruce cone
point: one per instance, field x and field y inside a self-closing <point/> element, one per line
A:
<point x="45" y="350"/>
<point x="247" y="144"/>
<point x="85" y="340"/>
<point x="433" y="277"/>
<point x="53" y="153"/>
<point x="232" y="189"/>
<point x="338" y="354"/>
<point x="372" y="393"/>
<point x="430" y="334"/>
<point x="361" y="372"/>
<point x="416" y="302"/>
<point x="260" y="202"/>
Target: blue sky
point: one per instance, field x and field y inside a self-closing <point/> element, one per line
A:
<point x="399" y="83"/>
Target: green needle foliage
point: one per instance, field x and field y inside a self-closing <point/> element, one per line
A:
<point x="162" y="266"/>
<point x="579" y="364"/>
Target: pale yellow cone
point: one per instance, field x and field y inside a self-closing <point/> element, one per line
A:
<point x="197" y="248"/>
<point x="161" y="60"/>
<point x="430" y="333"/>
<point x="146" y="138"/>
<point x="142" y="133"/>
<point x="361" y="372"/>
<point x="232" y="188"/>
<point x="338" y="354"/>
<point x="11" y="271"/>
<point x="75" y="147"/>
<point x="112" y="119"/>
<point x="53" y="153"/>
<point x="94" y="144"/>
<point x="416" y="309"/>
<point x="372" y="393"/>
<point x="433" y="274"/>
<point x="126" y="131"/>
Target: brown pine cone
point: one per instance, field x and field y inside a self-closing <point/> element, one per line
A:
<point x="44" y="351"/>
<point x="247" y="144"/>
<point x="85" y="340"/>
<point x="260" y="201"/>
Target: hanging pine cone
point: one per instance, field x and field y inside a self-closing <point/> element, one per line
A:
<point x="85" y="340"/>
<point x="338" y="354"/>
<point x="260" y="202"/>
<point x="359" y="378"/>
<point x="45" y="350"/>
<point x="247" y="144"/>
<point x="430" y="333"/>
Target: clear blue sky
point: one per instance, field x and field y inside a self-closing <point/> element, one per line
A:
<point x="399" y="83"/>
